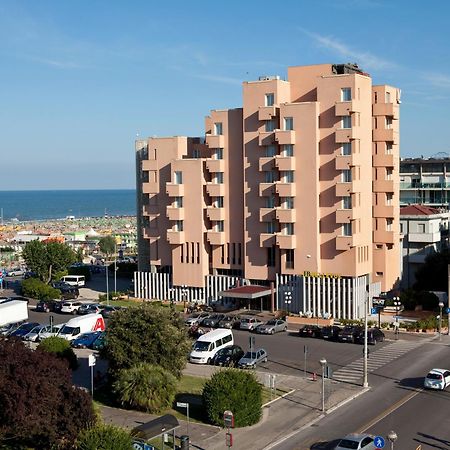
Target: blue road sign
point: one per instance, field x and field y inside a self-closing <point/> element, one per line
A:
<point x="378" y="442"/>
<point x="373" y="310"/>
<point x="447" y="310"/>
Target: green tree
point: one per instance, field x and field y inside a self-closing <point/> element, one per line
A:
<point x="432" y="275"/>
<point x="146" y="387"/>
<point x="147" y="333"/>
<point x="236" y="391"/>
<point x="107" y="245"/>
<point x="46" y="259"/>
<point x="61" y="348"/>
<point x="104" y="437"/>
<point x="35" y="288"/>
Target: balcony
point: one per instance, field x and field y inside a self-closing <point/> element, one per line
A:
<point x="285" y="137"/>
<point x="343" y="162"/>
<point x="150" y="187"/>
<point x="386" y="109"/>
<point x="346" y="108"/>
<point x="343" y="189"/>
<point x="267" y="240"/>
<point x="266" y="189"/>
<point x="347" y="134"/>
<point x="149" y="164"/>
<point x="285" y="162"/>
<point x="215" y="213"/>
<point x="285" y="189"/>
<point x="175" y="237"/>
<point x="385" y="135"/>
<point x="383" y="186"/>
<point x="175" y="213"/>
<point x="345" y="242"/>
<point x="385" y="237"/>
<point x="344" y="215"/>
<point x="148" y="210"/>
<point x="285" y="241"/>
<point x="267" y="112"/>
<point x="215" y="189"/>
<point x="266" y="163"/>
<point x="384" y="160"/>
<point x="383" y="211"/>
<point x="216" y="237"/>
<point x="175" y="190"/>
<point x="149" y="233"/>
<point x="266" y="214"/>
<point x="215" y="165"/>
<point x="215" y="140"/>
<point x="285" y="215"/>
<point x="266" y="137"/>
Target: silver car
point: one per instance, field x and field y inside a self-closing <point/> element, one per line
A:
<point x="271" y="327"/>
<point x="249" y="323"/>
<point x="251" y="359"/>
<point x="196" y="318"/>
<point x="357" y="442"/>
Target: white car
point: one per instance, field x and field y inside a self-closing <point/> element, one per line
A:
<point x="16" y="273"/>
<point x="249" y="323"/>
<point x="356" y="442"/>
<point x="50" y="333"/>
<point x="71" y="307"/>
<point x="437" y="379"/>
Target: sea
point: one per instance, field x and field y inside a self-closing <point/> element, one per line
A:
<point x="59" y="204"/>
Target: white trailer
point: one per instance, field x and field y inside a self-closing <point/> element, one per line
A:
<point x="13" y="311"/>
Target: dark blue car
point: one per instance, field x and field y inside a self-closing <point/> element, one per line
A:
<point x="86" y="340"/>
<point x="24" y="329"/>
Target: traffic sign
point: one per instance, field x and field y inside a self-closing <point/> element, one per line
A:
<point x="377" y="301"/>
<point x="228" y="419"/>
<point x="373" y="310"/>
<point x="182" y="405"/>
<point x="447" y="310"/>
<point x="91" y="360"/>
<point x="379" y="442"/>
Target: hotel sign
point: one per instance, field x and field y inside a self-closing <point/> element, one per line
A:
<point x="307" y="273"/>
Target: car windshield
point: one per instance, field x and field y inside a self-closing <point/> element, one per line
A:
<point x="27" y="326"/>
<point x="245" y="320"/>
<point x="201" y="346"/>
<point x="347" y="443"/>
<point x="250" y="355"/>
<point x="225" y="352"/>
<point x="271" y="322"/>
<point x="434" y="376"/>
<point x="67" y="330"/>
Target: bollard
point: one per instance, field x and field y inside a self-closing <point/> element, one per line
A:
<point x="314" y="376"/>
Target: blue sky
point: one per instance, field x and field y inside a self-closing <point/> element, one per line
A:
<point x="80" y="79"/>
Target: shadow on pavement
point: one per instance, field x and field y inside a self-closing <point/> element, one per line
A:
<point x="416" y="382"/>
<point x="328" y="445"/>
<point x="435" y="441"/>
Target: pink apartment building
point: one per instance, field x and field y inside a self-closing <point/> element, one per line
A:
<point x="299" y="187"/>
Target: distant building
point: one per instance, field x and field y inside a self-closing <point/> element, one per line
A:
<point x="425" y="181"/>
<point x="299" y="188"/>
<point x="425" y="230"/>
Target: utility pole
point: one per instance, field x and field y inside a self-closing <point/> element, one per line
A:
<point x="366" y="305"/>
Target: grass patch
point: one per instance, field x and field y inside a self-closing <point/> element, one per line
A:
<point x="275" y="394"/>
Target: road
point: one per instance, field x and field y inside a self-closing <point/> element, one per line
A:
<point x="396" y="402"/>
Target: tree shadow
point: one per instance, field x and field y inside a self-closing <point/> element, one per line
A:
<point x="197" y="411"/>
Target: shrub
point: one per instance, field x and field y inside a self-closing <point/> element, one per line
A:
<point x="146" y="387"/>
<point x="105" y="437"/>
<point x="233" y="390"/>
<point x="35" y="288"/>
<point x="61" y="348"/>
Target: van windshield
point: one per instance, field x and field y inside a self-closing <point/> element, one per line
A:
<point x="70" y="330"/>
<point x="201" y="346"/>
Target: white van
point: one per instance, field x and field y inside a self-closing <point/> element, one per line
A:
<point x="209" y="344"/>
<point x="74" y="280"/>
<point x="74" y="327"/>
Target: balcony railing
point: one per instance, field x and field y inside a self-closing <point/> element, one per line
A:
<point x="215" y="189"/>
<point x="216" y="237"/>
<point x="286" y="241"/>
<point x="285" y="215"/>
<point x="386" y="109"/>
<point x="285" y="162"/>
<point x="215" y="165"/>
<point x="267" y="112"/>
<point x="175" y="190"/>
<point x="215" y="213"/>
<point x="266" y="214"/>
<point x="406" y="185"/>
<point x="175" y="213"/>
<point x="267" y="240"/>
<point x="266" y="163"/>
<point x="215" y="140"/>
<point x="285" y="137"/>
<point x="266" y="137"/>
<point x="175" y="237"/>
<point x="346" y="108"/>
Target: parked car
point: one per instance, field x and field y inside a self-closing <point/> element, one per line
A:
<point x="271" y="327"/>
<point x="249" y="323"/>
<point x="68" y="292"/>
<point x="106" y="311"/>
<point x="23" y="329"/>
<point x="71" y="307"/>
<point x="251" y="359"/>
<point x="52" y="331"/>
<point x="310" y="331"/>
<point x="196" y="318"/>
<point x="331" y="332"/>
<point x="228" y="356"/>
<point x="19" y="297"/>
<point x="349" y="333"/>
<point x="374" y="335"/>
<point x="37" y="333"/>
<point x="437" y="379"/>
<point x="17" y="272"/>
<point x="100" y="342"/>
<point x="6" y="330"/>
<point x="212" y="321"/>
<point x="230" y="322"/>
<point x="85" y="308"/>
<point x="49" y="305"/>
<point x="357" y="442"/>
<point x="86" y="340"/>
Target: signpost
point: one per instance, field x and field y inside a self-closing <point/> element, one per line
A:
<point x="378" y="304"/>
<point x="252" y="345"/>
<point x="91" y="363"/>
<point x="228" y="420"/>
<point x="305" y="353"/>
<point x="185" y="405"/>
<point x="379" y="442"/>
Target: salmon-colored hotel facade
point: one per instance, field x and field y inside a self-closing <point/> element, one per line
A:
<point x="298" y="189"/>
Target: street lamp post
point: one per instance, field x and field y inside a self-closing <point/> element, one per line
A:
<point x="323" y="363"/>
<point x="392" y="436"/>
<point x="397" y="304"/>
<point x="184" y="292"/>
<point x="441" y="305"/>
<point x="107" y="284"/>
<point x="366" y="348"/>
<point x="288" y="300"/>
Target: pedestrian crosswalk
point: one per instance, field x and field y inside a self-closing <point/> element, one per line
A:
<point x="353" y="372"/>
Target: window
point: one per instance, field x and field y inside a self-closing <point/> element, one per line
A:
<point x="347" y="176"/>
<point x="401" y="227"/>
<point x="288" y="123"/>
<point x="287" y="202"/>
<point x="271" y="256"/>
<point x="288" y="176"/>
<point x="270" y="125"/>
<point x="289" y="259"/>
<point x="271" y="227"/>
<point x="219" y="226"/>
<point x="219" y="177"/>
<point x="270" y="201"/>
<point x="346" y="94"/>
<point x="178" y="177"/>
<point x="389" y="197"/>
<point x="218" y="202"/>
<point x="421" y="227"/>
<point x="388" y="123"/>
<point x="346" y="122"/>
<point x="347" y="229"/>
<point x="269" y="176"/>
<point x="196" y="153"/>
<point x="388" y="97"/>
<point x="389" y="148"/>
<point x="178" y="202"/>
<point x="288" y="150"/>
<point x="389" y="224"/>
<point x="271" y="150"/>
<point x="179" y="225"/>
<point x="389" y="173"/>
<point x="346" y="203"/>
<point x="346" y="148"/>
<point x="218" y="153"/>
<point x="218" y="129"/>
<point x="289" y="229"/>
<point x="269" y="99"/>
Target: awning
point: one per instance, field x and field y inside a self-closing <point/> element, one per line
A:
<point x="156" y="427"/>
<point x="248" y="292"/>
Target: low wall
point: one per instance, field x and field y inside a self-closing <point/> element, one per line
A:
<point x="293" y="320"/>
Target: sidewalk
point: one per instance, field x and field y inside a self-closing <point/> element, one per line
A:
<point x="301" y="406"/>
